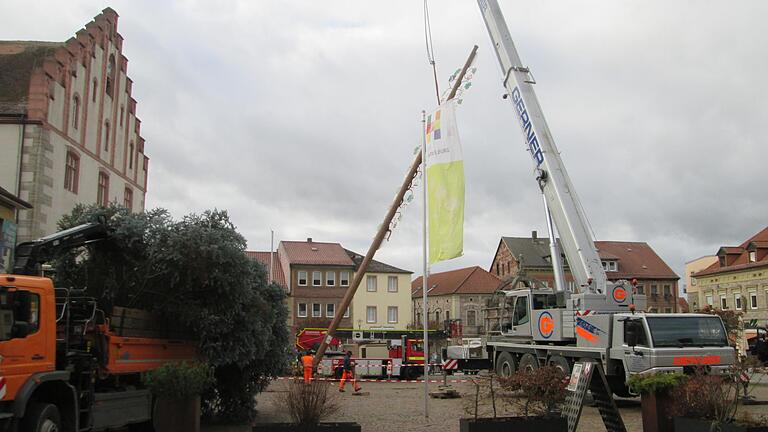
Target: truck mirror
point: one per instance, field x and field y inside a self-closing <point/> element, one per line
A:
<point x="631" y="335"/>
<point x="20" y="329"/>
<point x="22" y="306"/>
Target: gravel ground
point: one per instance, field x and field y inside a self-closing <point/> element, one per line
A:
<point x="396" y="407"/>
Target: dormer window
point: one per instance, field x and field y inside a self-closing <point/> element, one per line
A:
<point x="722" y="260"/>
<point x="610" y="266"/>
<point x="752" y="256"/>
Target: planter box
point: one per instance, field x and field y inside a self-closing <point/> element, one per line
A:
<point x="291" y="427"/>
<point x="177" y="415"/>
<point x="512" y="424"/>
<point x="655" y="410"/>
<point x="683" y="424"/>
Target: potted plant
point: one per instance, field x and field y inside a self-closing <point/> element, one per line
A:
<point x="655" y="400"/>
<point x="535" y="395"/>
<point x="177" y="388"/>
<point x="307" y="405"/>
<point x="709" y="403"/>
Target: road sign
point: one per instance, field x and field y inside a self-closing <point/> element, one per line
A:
<point x="588" y="375"/>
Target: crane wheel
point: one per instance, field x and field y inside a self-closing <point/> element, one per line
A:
<point x="561" y="363"/>
<point x="505" y="364"/>
<point x="42" y="417"/>
<point x="528" y="362"/>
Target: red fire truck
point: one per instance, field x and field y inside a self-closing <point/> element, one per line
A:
<point x="376" y="353"/>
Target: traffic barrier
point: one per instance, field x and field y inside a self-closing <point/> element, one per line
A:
<point x="453" y="381"/>
<point x="450" y="364"/>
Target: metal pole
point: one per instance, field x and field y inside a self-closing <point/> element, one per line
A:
<point x="425" y="266"/>
<point x="271" y="254"/>
<point x="554" y="250"/>
<point x="375" y="244"/>
<point x="383" y="228"/>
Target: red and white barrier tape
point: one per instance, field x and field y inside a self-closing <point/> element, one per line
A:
<point x="381" y="380"/>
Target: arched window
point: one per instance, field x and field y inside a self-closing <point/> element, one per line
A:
<point x="110" y="74"/>
<point x="75" y="111"/>
<point x="72" y="172"/>
<point x="130" y="155"/>
<point x="93" y="91"/>
<point x="128" y="198"/>
<point x="102" y="193"/>
<point x="106" y="135"/>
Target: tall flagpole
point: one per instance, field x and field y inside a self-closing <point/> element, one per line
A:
<point x="425" y="269"/>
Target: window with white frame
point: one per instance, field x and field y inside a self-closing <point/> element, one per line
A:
<point x="667" y="290"/>
<point x="317" y="278"/>
<point x="392" y="314"/>
<point x="654" y="289"/>
<point x="370" y="314"/>
<point x="302" y="276"/>
<point x="392" y="284"/>
<point x="370" y="283"/>
<point x="316" y="310"/>
<point x="346" y="313"/>
<point x="723" y="302"/>
<point x="609" y="265"/>
<point x="471" y="318"/>
<point x="330" y="310"/>
<point x="753" y="300"/>
<point x="737" y="301"/>
<point x="710" y="300"/>
<point x="302" y="313"/>
<point x="641" y="289"/>
<point x="752" y="256"/>
<point x="344" y="278"/>
<point x="330" y="278"/>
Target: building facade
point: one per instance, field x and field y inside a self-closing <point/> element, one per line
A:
<point x="455" y="295"/>
<point x="621" y="260"/>
<point x="691" y="288"/>
<point x="9" y="206"/>
<point x="738" y="280"/>
<point x="68" y="127"/>
<point x="383" y="299"/>
<point x="317" y="275"/>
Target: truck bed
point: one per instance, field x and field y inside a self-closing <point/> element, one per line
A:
<point x="133" y="354"/>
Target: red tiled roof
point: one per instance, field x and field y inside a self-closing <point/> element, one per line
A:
<point x="277" y="270"/>
<point x="742" y="261"/>
<point x="636" y="260"/>
<point x="732" y="250"/>
<point x="682" y="305"/>
<point x="316" y="253"/>
<point x="470" y="280"/>
<point x="758" y="244"/>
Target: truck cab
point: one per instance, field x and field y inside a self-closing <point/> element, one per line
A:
<point x="651" y="343"/>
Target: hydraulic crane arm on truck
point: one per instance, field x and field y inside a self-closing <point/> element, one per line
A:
<point x="65" y="363"/>
<point x="544" y="327"/>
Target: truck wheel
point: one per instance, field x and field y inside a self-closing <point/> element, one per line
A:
<point x="42" y="417"/>
<point x="505" y="365"/>
<point x="561" y="363"/>
<point x="528" y="363"/>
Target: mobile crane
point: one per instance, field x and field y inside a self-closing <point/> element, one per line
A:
<point x="66" y="363"/>
<point x="598" y="320"/>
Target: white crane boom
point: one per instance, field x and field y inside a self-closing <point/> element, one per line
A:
<point x="570" y="220"/>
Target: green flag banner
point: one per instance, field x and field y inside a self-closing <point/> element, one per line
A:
<point x="445" y="184"/>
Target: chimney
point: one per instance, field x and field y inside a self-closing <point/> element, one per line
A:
<point x="534" y="236"/>
<point x="309" y="239"/>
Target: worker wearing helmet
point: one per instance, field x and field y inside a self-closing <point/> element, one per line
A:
<point x="348" y="373"/>
<point x="306" y="361"/>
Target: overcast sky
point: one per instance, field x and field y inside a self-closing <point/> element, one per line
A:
<point x="302" y="116"/>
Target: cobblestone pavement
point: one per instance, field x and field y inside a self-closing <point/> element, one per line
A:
<point x="391" y="407"/>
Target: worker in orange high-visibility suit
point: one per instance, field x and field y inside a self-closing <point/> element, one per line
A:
<point x="348" y="373"/>
<point x="306" y="361"/>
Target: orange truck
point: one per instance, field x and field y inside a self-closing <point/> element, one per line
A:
<point x="66" y="364"/>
